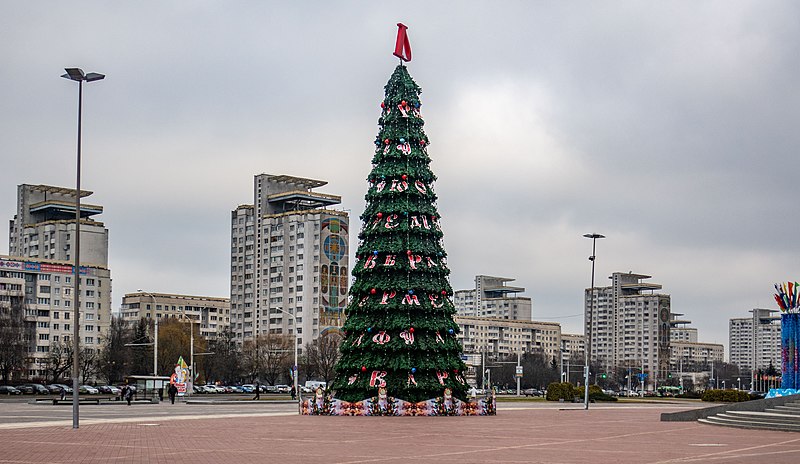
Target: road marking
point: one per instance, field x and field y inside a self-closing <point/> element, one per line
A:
<point x="133" y="420"/>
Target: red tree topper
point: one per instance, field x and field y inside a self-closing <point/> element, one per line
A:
<point x="402" y="48"/>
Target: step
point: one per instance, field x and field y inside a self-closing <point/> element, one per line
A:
<point x="749" y="424"/>
<point x="761" y="417"/>
<point x="792" y="404"/>
<point x="793" y="409"/>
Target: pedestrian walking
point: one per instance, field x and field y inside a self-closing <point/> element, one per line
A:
<point x="258" y="391"/>
<point x="63" y="392"/>
<point x="294" y="394"/>
<point x="129" y="395"/>
<point x="172" y="391"/>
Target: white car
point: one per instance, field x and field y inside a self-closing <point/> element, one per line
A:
<point x="88" y="389"/>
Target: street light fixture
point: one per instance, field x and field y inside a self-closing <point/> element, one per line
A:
<point x="294" y="369"/>
<point x="155" y="338"/>
<point x="76" y="74"/>
<point x="586" y="351"/>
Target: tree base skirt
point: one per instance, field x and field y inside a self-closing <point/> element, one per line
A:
<point x="375" y="406"/>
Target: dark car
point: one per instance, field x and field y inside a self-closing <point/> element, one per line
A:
<point x="25" y="389"/>
<point x="9" y="390"/>
<point x="35" y="388"/>
<point x="53" y="389"/>
<point x="532" y="392"/>
<point x="58" y="387"/>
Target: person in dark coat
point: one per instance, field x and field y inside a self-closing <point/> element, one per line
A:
<point x="129" y="395"/>
<point x="258" y="391"/>
<point x="172" y="391"/>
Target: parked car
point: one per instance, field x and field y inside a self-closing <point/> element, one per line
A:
<point x="283" y="388"/>
<point x="532" y="392"/>
<point x="25" y="389"/>
<point x="235" y="389"/>
<point x="9" y="390"/>
<point x="248" y="388"/>
<point x="110" y="389"/>
<point x="35" y="388"/>
<point x="66" y="388"/>
<point x="271" y="389"/>
<point x="53" y="389"/>
<point x="88" y="389"/>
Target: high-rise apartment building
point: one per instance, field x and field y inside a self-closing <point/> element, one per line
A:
<point x="492" y="297"/>
<point x="42" y="290"/>
<point x="41" y="246"/>
<point x="755" y="342"/>
<point x="44" y="226"/>
<point x="628" y="325"/>
<point x="210" y="315"/>
<point x="289" y="260"/>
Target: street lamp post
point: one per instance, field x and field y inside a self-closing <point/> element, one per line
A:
<point x="588" y="347"/>
<point x="155" y="338"/>
<point x="294" y="368"/>
<point x="77" y="75"/>
<point x="191" y="352"/>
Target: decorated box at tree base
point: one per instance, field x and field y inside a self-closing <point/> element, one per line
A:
<point x="384" y="405"/>
<point x="790" y="342"/>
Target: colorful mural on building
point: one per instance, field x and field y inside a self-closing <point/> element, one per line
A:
<point x="333" y="273"/>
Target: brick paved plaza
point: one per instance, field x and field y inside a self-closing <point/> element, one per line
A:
<point x="525" y="432"/>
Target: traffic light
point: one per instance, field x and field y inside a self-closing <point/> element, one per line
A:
<point x="603" y="376"/>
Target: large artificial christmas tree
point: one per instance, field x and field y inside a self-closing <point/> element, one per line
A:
<point x="400" y="335"/>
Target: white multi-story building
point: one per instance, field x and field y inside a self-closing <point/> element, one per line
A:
<point x="41" y="243"/>
<point x="211" y="315"/>
<point x="44" y="226"/>
<point x="289" y="259"/>
<point x="693" y="356"/>
<point x="492" y="297"/>
<point x="573" y="345"/>
<point x="680" y="330"/>
<point x="43" y="290"/>
<point x="500" y="338"/>
<point x="628" y="325"/>
<point x="755" y="342"/>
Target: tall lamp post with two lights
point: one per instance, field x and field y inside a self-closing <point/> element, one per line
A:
<point x="594" y="238"/>
<point x="294" y="368"/>
<point x="77" y="75"/>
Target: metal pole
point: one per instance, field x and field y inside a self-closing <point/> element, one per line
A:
<point x="594" y="238"/>
<point x="77" y="268"/>
<point x="483" y="368"/>
<point x="191" y="350"/>
<point x="294" y="368"/>
<point x="518" y="379"/>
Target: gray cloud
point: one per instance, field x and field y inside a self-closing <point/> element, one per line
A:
<point x="667" y="127"/>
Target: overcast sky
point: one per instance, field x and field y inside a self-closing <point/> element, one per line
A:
<point x="669" y="127"/>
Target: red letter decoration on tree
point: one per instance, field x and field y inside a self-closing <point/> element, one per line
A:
<point x="402" y="49"/>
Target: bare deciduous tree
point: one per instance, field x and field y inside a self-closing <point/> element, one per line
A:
<point x="15" y="339"/>
<point x="322" y="355"/>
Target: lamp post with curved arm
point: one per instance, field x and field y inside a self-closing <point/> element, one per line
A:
<point x="77" y="75"/>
